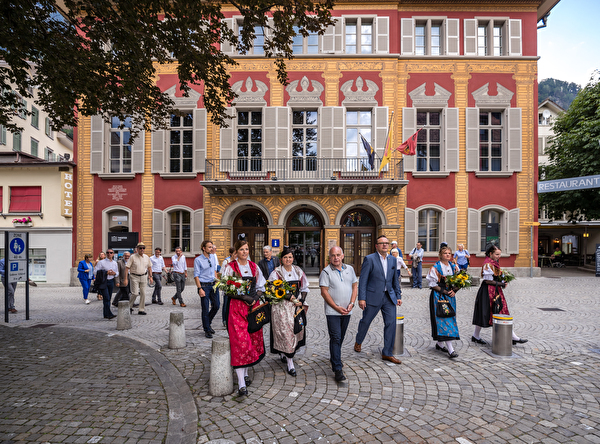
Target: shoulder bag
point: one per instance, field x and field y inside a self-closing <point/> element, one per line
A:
<point x="258" y="317"/>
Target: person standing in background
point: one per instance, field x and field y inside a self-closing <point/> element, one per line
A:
<point x="179" y="275"/>
<point x="158" y="266"/>
<point x="416" y="255"/>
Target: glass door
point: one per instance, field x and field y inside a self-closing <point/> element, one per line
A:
<point x="306" y="246"/>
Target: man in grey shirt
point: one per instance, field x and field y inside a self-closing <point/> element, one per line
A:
<point x="339" y="288"/>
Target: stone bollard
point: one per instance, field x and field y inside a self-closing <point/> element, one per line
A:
<point x="176" y="330"/>
<point x="123" y="316"/>
<point x="221" y="377"/>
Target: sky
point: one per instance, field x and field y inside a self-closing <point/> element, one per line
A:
<point x="569" y="47"/>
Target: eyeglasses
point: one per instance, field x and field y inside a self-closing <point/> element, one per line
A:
<point x="110" y="252"/>
<point x="383" y="243"/>
<point x="141" y="248"/>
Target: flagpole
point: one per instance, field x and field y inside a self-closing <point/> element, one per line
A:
<point x="387" y="156"/>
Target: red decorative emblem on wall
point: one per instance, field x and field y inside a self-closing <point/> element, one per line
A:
<point x="117" y="192"/>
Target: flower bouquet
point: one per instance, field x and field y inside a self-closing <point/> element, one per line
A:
<point x="233" y="286"/>
<point x="459" y="280"/>
<point x="278" y="290"/>
<point x="506" y="277"/>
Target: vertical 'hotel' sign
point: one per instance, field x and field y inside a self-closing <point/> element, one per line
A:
<point x="67" y="193"/>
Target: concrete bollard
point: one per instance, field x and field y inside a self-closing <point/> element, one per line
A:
<point x="221" y="377"/>
<point x="123" y="316"/>
<point x="502" y="335"/>
<point x="176" y="330"/>
<point x="399" y="341"/>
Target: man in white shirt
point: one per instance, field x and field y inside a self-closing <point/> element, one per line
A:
<point x="112" y="271"/>
<point x="179" y="275"/>
<point x="417" y="258"/>
<point x="158" y="266"/>
<point x="140" y="267"/>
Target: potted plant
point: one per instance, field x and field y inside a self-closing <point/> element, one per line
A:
<point x="23" y="222"/>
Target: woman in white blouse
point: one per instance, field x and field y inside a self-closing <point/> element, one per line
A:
<point x="283" y="339"/>
<point x="401" y="263"/>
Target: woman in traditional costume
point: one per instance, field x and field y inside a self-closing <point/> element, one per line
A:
<point x="444" y="330"/>
<point x="490" y="297"/>
<point x="247" y="349"/>
<point x="283" y="339"/>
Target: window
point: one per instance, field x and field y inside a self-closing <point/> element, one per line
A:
<point x="429" y="139"/>
<point x="25" y="199"/>
<point x="490" y="140"/>
<point x="120" y="145"/>
<point x="497" y="41"/>
<point x="48" y="154"/>
<point x="249" y="140"/>
<point x="34" y="147"/>
<point x="482" y="41"/>
<point x="429" y="229"/>
<point x="304" y="140"/>
<point x="358" y="122"/>
<point x="23" y="108"/>
<point x="17" y="141"/>
<point x="48" y="127"/>
<point x="2" y="135"/>
<point x="35" y="117"/>
<point x="181" y="137"/>
<point x="305" y="45"/>
<point x="181" y="233"/>
<point x="259" y="41"/>
<point x="428" y="38"/>
<point x="359" y="36"/>
<point x="491" y="227"/>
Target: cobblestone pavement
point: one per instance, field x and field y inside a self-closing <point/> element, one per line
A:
<point x="91" y="383"/>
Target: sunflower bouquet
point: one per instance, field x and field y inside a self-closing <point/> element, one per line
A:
<point x="459" y="280"/>
<point x="232" y="286"/>
<point x="277" y="291"/>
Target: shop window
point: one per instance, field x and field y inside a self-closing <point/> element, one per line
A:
<point x="25" y="199"/>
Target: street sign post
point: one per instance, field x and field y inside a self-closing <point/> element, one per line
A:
<point x="16" y="265"/>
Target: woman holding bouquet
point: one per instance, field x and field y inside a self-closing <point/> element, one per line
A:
<point x="444" y="329"/>
<point x="490" y="297"/>
<point x="283" y="339"/>
<point x="247" y="349"/>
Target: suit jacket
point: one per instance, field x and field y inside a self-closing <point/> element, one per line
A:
<point x="262" y="264"/>
<point x="123" y="273"/>
<point x="83" y="270"/>
<point x="373" y="283"/>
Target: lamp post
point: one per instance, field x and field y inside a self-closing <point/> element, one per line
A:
<point x="585" y="238"/>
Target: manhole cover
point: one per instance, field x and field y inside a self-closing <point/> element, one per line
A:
<point x="551" y="309"/>
<point x="42" y="325"/>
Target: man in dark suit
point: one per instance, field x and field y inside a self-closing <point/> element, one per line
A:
<point x="269" y="263"/>
<point x="379" y="290"/>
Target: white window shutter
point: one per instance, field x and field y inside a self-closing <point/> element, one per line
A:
<point x="409" y="127"/>
<point x="470" y="37"/>
<point x="227" y="143"/>
<point x="514" y="139"/>
<point x="277" y="136"/>
<point x="451" y="139"/>
<point x="474" y="233"/>
<point x="328" y="45"/>
<point x="270" y="151"/>
<point x="158" y="230"/>
<point x="226" y="47"/>
<point x="407" y="40"/>
<point x="450" y="221"/>
<point x="137" y="152"/>
<point x="200" y="140"/>
<point x="381" y="130"/>
<point x="158" y="150"/>
<point x="513" y="232"/>
<point x="452" y="36"/>
<point x="515" y="43"/>
<point x="97" y="145"/>
<point x="383" y="35"/>
<point x="472" y="139"/>
<point x="339" y="40"/>
<point x="331" y="132"/>
<point x="197" y="230"/>
<point x="410" y="230"/>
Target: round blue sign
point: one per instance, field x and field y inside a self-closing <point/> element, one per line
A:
<point x="17" y="246"/>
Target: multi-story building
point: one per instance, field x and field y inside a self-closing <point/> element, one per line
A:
<point x="36" y="182"/>
<point x="290" y="169"/>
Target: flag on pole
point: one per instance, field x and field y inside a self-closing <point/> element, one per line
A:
<point x="370" y="151"/>
<point x="387" y="154"/>
<point x="409" y="147"/>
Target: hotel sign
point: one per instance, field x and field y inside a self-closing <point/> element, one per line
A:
<point x="573" y="183"/>
<point x="67" y="194"/>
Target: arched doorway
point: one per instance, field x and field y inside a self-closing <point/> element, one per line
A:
<point x="305" y="229"/>
<point x="253" y="225"/>
<point x="357" y="237"/>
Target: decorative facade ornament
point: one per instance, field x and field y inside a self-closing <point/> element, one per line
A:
<point x="184" y="102"/>
<point x="249" y="97"/>
<point x="117" y="192"/>
<point x="304" y="96"/>
<point x="484" y="100"/>
<point x="360" y="96"/>
<point x="438" y="100"/>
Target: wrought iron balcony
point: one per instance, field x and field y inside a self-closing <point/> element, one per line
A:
<point x="302" y="175"/>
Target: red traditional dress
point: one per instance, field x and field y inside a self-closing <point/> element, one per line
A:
<point x="487" y="294"/>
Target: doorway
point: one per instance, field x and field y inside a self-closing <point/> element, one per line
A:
<point x="252" y="225"/>
<point x="357" y="237"/>
<point x="305" y="239"/>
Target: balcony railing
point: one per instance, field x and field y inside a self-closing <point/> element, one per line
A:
<point x="301" y="169"/>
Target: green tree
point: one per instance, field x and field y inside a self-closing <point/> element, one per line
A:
<point x="560" y="92"/>
<point x="575" y="152"/>
<point x="101" y="55"/>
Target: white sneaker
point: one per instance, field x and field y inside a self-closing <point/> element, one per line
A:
<point x="87" y="301"/>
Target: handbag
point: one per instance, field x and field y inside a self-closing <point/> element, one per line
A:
<point x="93" y="288"/>
<point x="299" y="320"/>
<point x="443" y="309"/>
<point x="258" y="317"/>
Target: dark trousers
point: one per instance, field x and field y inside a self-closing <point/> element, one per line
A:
<point x="157" y="287"/>
<point x="106" y="294"/>
<point x="337" y="326"/>
<point x="122" y="295"/>
<point x="388" y="311"/>
<point x="225" y="310"/>
<point x="418" y="275"/>
<point x="179" y="286"/>
<point x="211" y="298"/>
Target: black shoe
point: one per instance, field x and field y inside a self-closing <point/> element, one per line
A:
<point x="211" y="330"/>
<point x="208" y="334"/>
<point x="339" y="376"/>
<point x="115" y="305"/>
<point x="292" y="372"/>
<point x="248" y="381"/>
<point x="283" y="359"/>
<point x="242" y="392"/>
<point x="130" y="310"/>
<point x="142" y="313"/>
<point x="453" y="355"/>
<point x="160" y="303"/>
<point x="112" y="316"/>
<point x="154" y="302"/>
<point x="478" y="341"/>
<point x="520" y="341"/>
<point x="444" y="349"/>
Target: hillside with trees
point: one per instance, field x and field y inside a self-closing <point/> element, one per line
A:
<point x="560" y="92"/>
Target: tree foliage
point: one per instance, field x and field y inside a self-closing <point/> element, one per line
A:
<point x="560" y="92"/>
<point x="102" y="55"/>
<point x="575" y="152"/>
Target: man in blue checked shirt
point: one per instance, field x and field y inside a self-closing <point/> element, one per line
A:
<point x="205" y="274"/>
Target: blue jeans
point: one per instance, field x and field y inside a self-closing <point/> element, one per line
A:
<point x="106" y="295"/>
<point x="418" y="275"/>
<point x="179" y="286"/>
<point x="463" y="267"/>
<point x="211" y="297"/>
<point x="337" y="326"/>
<point x="85" y="284"/>
<point x="157" y="287"/>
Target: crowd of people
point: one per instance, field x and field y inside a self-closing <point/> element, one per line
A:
<point x="378" y="290"/>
